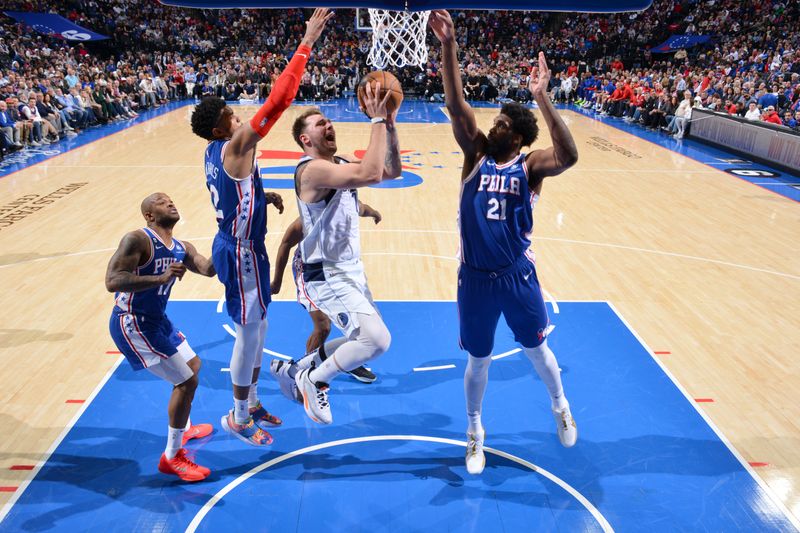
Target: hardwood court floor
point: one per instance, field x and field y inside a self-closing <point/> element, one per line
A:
<point x="704" y="266"/>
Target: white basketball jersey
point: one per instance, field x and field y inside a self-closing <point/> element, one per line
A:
<point x="330" y="226"/>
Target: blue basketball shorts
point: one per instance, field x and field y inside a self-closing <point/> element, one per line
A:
<point x="143" y="340"/>
<point x="243" y="267"/>
<point x="513" y="292"/>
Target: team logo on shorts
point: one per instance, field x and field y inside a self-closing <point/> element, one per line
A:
<point x="343" y="319"/>
<point x="542" y="333"/>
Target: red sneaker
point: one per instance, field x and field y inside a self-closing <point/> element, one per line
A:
<point x="197" y="431"/>
<point x="183" y="467"/>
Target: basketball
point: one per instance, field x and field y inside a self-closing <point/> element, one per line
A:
<point x="389" y="83"/>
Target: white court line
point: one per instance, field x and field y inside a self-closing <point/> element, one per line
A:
<point x="24" y="485"/>
<point x="506" y="354"/>
<point x="278" y="233"/>
<point x="201" y="514"/>
<point x="427" y="368"/>
<point x="778" y="183"/>
<point x="224" y="369"/>
<point x="793" y="519"/>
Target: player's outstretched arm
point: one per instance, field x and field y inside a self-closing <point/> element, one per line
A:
<point x="134" y="250"/>
<point x="291" y="238"/>
<point x="465" y="127"/>
<point x="197" y="263"/>
<point x="563" y="154"/>
<point x="365" y="211"/>
<point x="392" y="166"/>
<point x="283" y="92"/>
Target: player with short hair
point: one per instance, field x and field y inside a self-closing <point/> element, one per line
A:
<point x="141" y="273"/>
<point x="239" y="252"/>
<point x="500" y="187"/>
<point x="330" y="271"/>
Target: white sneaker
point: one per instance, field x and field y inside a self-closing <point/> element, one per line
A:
<point x="315" y="398"/>
<point x="280" y="371"/>
<point x="475" y="459"/>
<point x="566" y="428"/>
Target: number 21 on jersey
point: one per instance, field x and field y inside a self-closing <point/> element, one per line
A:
<point x="497" y="209"/>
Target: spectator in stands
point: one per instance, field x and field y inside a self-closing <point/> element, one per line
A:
<point x="771" y="116"/>
<point x="753" y="112"/>
<point x="8" y="128"/>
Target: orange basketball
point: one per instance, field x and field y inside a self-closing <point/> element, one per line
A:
<point x="389" y="83"/>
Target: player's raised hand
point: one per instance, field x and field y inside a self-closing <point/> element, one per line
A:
<point x="442" y="25"/>
<point x="540" y="77"/>
<point x="274" y="199"/>
<point x="316" y="24"/>
<point x="374" y="105"/>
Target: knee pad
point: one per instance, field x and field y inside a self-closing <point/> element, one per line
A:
<point x="477" y="366"/>
<point x="245" y="350"/>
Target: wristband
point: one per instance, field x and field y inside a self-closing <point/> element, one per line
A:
<point x="378" y="120"/>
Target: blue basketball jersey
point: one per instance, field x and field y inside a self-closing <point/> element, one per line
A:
<point x="496" y="214"/>
<point x="240" y="205"/>
<point x="153" y="301"/>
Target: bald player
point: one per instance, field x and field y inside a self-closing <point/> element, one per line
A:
<point x="141" y="274"/>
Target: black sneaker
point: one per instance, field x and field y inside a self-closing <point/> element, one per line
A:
<point x="363" y="375"/>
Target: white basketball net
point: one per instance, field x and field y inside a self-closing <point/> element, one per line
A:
<point x="398" y="38"/>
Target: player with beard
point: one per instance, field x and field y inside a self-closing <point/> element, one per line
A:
<point x="500" y="187"/>
<point x="142" y="272"/>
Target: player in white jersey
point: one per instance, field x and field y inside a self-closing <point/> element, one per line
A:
<point x="315" y="345"/>
<point x="332" y="272"/>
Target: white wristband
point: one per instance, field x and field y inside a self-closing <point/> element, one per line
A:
<point x="378" y="120"/>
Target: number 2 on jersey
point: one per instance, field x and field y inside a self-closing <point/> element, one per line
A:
<point x="215" y="201"/>
<point x="496" y="205"/>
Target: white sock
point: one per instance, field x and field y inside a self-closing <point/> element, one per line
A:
<point x="240" y="411"/>
<point x="188" y="423"/>
<point x="544" y="361"/>
<point x="252" y="395"/>
<point x="476" y="376"/>
<point x="373" y="339"/>
<point x="174" y="442"/>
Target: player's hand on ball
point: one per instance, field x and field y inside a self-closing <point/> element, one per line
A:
<point x="175" y="270"/>
<point x="374" y="106"/>
<point x="275" y="199"/>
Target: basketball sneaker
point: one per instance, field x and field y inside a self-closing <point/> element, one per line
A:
<point x="315" y="398"/>
<point x="280" y="371"/>
<point x="565" y="425"/>
<point x="183" y="467"/>
<point x="197" y="431"/>
<point x="475" y="459"/>
<point x="363" y="374"/>
<point x="264" y="418"/>
<point x="248" y="432"/>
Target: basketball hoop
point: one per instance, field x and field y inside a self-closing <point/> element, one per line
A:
<point x="398" y="38"/>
